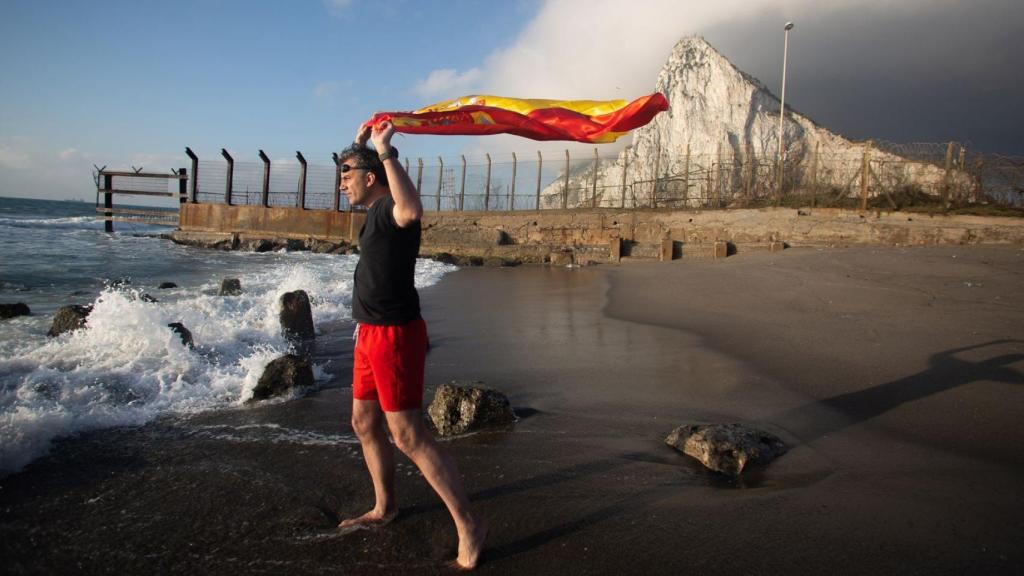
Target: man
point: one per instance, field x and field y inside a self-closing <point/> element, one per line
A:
<point x="391" y="341"/>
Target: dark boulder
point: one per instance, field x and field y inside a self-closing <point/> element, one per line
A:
<point x="726" y="448"/>
<point x="296" y="316"/>
<point x="147" y="298"/>
<point x="446" y="258"/>
<point x="461" y="407"/>
<point x="14" y="310"/>
<point x="183" y="333"/>
<point x="166" y="285"/>
<point x="230" y="287"/>
<point x="281" y="375"/>
<point x="68" y="318"/>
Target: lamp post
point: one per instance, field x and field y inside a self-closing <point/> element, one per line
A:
<point x="782" y="106"/>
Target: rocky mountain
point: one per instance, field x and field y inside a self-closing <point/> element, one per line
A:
<point x="720" y="138"/>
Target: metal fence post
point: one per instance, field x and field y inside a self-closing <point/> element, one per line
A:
<point x="231" y="175"/>
<point x="487" y="185"/>
<point x="593" y="190"/>
<point x="625" y="167"/>
<point x="182" y="188"/>
<point x="865" y="169"/>
<point x="419" y="175"/>
<point x="462" y="189"/>
<point x="302" y="181"/>
<point x="657" y="170"/>
<point x="814" y="175"/>
<point x="718" y="176"/>
<point x="195" y="173"/>
<point x="512" y="192"/>
<point x="440" y="180"/>
<point x="540" y="166"/>
<point x="337" y="181"/>
<point x="686" y="175"/>
<point x="265" y="192"/>
<point x="947" y="179"/>
<point x="565" y="188"/>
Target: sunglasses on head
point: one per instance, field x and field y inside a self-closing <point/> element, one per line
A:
<point x="347" y="168"/>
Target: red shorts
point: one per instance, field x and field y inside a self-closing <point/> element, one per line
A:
<point x="388" y="365"/>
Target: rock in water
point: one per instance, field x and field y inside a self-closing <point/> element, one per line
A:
<point x="230" y="287"/>
<point x="296" y="316"/>
<point x="68" y="318"/>
<point x="281" y="375"/>
<point x="726" y="448"/>
<point x="14" y="310"/>
<point x="183" y="333"/>
<point x="166" y="285"/>
<point x="458" y="408"/>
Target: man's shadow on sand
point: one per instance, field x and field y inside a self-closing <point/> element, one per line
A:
<point x="808" y="423"/>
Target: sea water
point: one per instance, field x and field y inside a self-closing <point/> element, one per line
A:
<point x="127" y="367"/>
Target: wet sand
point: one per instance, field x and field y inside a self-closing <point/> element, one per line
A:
<point x="895" y="375"/>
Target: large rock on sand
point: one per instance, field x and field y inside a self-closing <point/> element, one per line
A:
<point x="461" y="407"/>
<point x="281" y="375"/>
<point x="726" y="448"/>
<point x="68" y="318"/>
<point x="296" y="316"/>
<point x="14" y="310"/>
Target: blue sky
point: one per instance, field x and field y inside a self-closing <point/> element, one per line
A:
<point x="124" y="83"/>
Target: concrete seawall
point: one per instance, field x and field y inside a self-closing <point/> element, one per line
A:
<point x="582" y="235"/>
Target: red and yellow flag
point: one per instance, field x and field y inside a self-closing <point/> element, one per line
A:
<point x="594" y="121"/>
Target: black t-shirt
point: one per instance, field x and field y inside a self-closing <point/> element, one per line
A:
<point x="384" y="293"/>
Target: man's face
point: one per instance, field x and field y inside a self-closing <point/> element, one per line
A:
<point x="354" y="182"/>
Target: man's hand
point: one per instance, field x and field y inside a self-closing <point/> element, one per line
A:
<point x="362" y="135"/>
<point x="381" y="134"/>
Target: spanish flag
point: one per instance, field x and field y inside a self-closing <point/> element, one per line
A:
<point x="593" y="121"/>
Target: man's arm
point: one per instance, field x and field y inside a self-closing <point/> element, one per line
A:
<point x="408" y="208"/>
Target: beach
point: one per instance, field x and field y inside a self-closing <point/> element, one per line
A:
<point x="894" y="374"/>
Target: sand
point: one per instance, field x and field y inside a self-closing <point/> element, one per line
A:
<point x="894" y="374"/>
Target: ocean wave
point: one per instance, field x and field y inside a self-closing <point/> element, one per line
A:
<point x="127" y="367"/>
<point x="82" y="222"/>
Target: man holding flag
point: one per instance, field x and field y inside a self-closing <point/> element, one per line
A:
<point x="391" y="340"/>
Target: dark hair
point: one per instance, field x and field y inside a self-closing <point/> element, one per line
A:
<point x="368" y="157"/>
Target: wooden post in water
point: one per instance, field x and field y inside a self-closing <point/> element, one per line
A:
<point x="182" y="188"/>
<point x="487" y="185"/>
<point x="265" y="191"/>
<point x="540" y="165"/>
<point x="229" y="181"/>
<point x="108" y="203"/>
<point x="512" y="191"/>
<point x="865" y="175"/>
<point x="462" y="189"/>
<point x="440" y="180"/>
<point x="337" y="182"/>
<point x="565" y="187"/>
<point x="195" y="173"/>
<point x="302" y="180"/>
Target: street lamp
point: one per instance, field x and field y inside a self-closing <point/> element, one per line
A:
<point x="782" y="105"/>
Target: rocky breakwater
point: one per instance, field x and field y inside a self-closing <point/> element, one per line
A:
<point x="256" y="243"/>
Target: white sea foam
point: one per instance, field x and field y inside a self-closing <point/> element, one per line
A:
<point x="85" y="222"/>
<point x="127" y="367"/>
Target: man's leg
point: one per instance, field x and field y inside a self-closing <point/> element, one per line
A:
<point x="415" y="441"/>
<point x="368" y="423"/>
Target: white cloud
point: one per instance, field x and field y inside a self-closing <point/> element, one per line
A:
<point x="67" y="153"/>
<point x="448" y="83"/>
<point x="13" y="158"/>
<point x="325" y="89"/>
<point x="337" y="8"/>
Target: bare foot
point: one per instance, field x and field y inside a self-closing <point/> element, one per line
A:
<point x="372" y="519"/>
<point x="471" y="546"/>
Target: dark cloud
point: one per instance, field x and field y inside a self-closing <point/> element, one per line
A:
<point x="924" y="72"/>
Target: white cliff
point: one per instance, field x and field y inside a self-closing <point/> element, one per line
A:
<point x="718" y="143"/>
